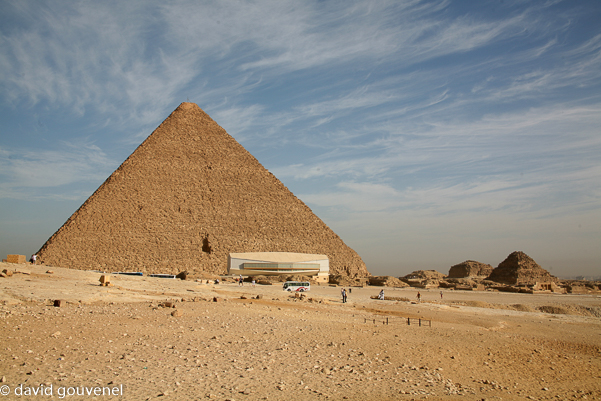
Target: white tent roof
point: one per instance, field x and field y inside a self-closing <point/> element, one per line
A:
<point x="279" y="257"/>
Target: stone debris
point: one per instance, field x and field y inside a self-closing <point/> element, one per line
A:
<point x="105" y="280"/>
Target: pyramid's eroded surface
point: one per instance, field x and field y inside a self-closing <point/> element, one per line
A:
<point x="185" y="198"/>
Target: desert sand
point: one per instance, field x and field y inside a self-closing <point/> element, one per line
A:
<point x="226" y="342"/>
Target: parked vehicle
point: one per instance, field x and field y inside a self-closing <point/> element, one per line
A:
<point x="300" y="286"/>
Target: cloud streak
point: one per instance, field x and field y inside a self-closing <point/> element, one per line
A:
<point x="73" y="163"/>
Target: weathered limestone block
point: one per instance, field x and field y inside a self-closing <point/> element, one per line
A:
<point x="16" y="259"/>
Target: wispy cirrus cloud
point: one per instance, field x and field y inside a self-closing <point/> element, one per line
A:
<point x="148" y="52"/>
<point x="41" y="169"/>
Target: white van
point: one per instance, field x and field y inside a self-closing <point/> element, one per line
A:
<point x="300" y="286"/>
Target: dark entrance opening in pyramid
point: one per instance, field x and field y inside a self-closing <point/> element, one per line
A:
<point x="232" y="205"/>
<point x="206" y="247"/>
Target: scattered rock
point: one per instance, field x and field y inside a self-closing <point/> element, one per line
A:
<point x="104" y="280"/>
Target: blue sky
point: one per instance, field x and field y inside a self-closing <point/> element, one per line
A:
<point x="424" y="133"/>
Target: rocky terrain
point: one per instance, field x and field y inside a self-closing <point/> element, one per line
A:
<point x="188" y="196"/>
<point x="152" y="338"/>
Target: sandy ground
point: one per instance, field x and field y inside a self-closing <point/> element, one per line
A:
<point x="120" y="340"/>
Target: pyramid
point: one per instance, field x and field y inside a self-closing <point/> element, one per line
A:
<point x="470" y="268"/>
<point x="520" y="269"/>
<point x="188" y="196"/>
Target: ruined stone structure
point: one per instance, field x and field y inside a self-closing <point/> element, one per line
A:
<point x="188" y="196"/>
<point x="520" y="269"/>
<point x="470" y="268"/>
<point x="387" y="281"/>
<point x="423" y="278"/>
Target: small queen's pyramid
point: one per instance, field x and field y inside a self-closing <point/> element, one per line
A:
<point x="188" y="196"/>
<point x="520" y="269"/>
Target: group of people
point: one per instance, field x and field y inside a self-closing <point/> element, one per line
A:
<point x="344" y="294"/>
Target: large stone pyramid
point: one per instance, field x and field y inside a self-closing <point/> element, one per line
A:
<point x="520" y="269"/>
<point x="188" y="196"/>
<point x="470" y="268"/>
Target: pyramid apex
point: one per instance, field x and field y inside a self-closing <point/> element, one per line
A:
<point x="187" y="106"/>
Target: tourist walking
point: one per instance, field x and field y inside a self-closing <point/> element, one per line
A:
<point x="419" y="297"/>
<point x="381" y="296"/>
<point x="343" y="292"/>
